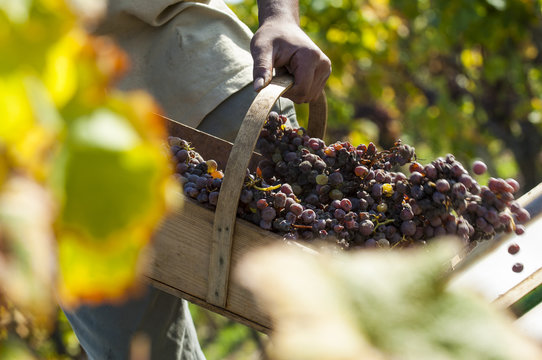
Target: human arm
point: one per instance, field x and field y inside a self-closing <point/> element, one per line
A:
<point x="280" y="42"/>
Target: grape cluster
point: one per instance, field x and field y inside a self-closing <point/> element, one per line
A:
<point x="356" y="195"/>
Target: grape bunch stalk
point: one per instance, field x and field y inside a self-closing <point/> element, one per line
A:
<point x="356" y="196"/>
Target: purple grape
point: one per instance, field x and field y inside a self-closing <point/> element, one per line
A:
<point x="286" y="188"/>
<point x="513" y="249"/>
<point x="262" y="204"/>
<point x="376" y="190"/>
<point x="335" y="178"/>
<point x="514" y="184"/>
<point x="268" y="213"/>
<point x="416" y="178"/>
<point x="361" y="171"/>
<point x="408" y="228"/>
<point x="466" y="180"/>
<point x="352" y="225"/>
<point x="520" y="230"/>
<point x="370" y="243"/>
<point x="308" y="216"/>
<point x="245" y="197"/>
<point x="213" y="197"/>
<point x="459" y="190"/>
<point x="280" y="200"/>
<point x="290" y="217"/>
<point x="517" y="267"/>
<point x="296" y="208"/>
<point x="479" y="167"/>
<point x="339" y="214"/>
<point x="406" y="213"/>
<point x="346" y="205"/>
<point x="442" y="185"/>
<point x="181" y="155"/>
<point x="193" y="192"/>
<point x="439" y="197"/>
<point x="366" y="227"/>
<point x="430" y="171"/>
<point x="266" y="224"/>
<point x="522" y="215"/>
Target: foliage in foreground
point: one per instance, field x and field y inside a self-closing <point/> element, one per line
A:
<point x="376" y="305"/>
<point x="83" y="178"/>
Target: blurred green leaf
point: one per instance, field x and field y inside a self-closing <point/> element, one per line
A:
<point x="376" y="305"/>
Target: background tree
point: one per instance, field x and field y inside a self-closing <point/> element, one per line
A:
<point x="445" y="76"/>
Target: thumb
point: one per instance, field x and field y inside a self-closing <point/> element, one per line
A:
<point x="263" y="64"/>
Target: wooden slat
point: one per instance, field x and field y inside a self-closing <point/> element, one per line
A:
<point x="318" y="117"/>
<point x="520" y="290"/>
<point x="182" y="266"/>
<point x="204" y="304"/>
<point x="226" y="209"/>
<point x="207" y="145"/>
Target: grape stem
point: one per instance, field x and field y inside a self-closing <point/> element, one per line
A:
<point x="269" y="188"/>
<point x="382" y="223"/>
<point x="302" y="226"/>
<point x="252" y="184"/>
<point x="403" y="240"/>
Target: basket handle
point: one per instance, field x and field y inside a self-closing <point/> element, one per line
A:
<point x="241" y="152"/>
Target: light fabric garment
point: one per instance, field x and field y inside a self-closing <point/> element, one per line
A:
<point x="190" y="55"/>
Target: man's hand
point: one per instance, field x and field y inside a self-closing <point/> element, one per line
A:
<point x="280" y="42"/>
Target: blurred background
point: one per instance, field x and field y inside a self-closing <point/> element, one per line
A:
<point x="461" y="77"/>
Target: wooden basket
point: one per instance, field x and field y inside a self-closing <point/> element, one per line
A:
<point x="195" y="248"/>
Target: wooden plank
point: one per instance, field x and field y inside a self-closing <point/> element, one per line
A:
<point x="204" y="304"/>
<point x="318" y="117"/>
<point x="207" y="145"/>
<point x="226" y="208"/>
<point x="181" y="264"/>
<point x="520" y="290"/>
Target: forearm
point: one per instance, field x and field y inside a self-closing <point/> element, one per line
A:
<point x="278" y="10"/>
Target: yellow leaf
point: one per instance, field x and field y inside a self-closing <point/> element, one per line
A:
<point x="60" y="75"/>
<point x="91" y="273"/>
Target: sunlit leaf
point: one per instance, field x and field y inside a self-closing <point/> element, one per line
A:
<point x="93" y="273"/>
<point x="112" y="182"/>
<point x="60" y="74"/>
<point x="111" y="178"/>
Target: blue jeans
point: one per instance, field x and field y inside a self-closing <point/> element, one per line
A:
<point x="105" y="332"/>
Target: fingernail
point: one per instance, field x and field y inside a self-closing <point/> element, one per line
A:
<point x="258" y="83"/>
